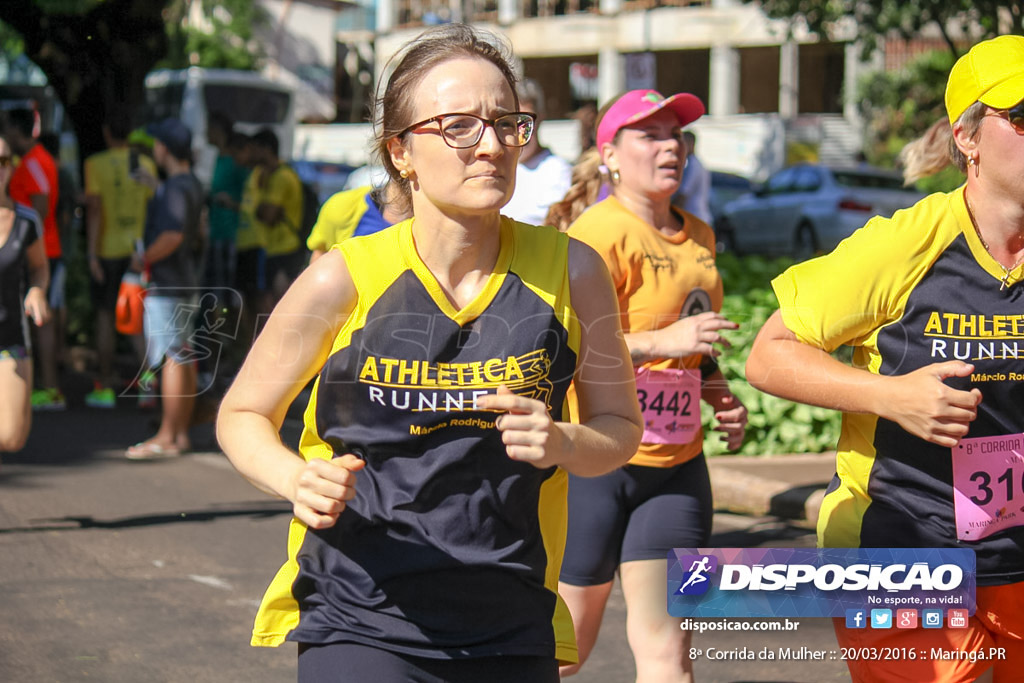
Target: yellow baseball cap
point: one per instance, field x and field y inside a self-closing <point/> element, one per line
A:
<point x="992" y="72"/>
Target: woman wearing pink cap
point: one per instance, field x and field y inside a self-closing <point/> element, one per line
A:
<point x="930" y="454"/>
<point x="662" y="262"/>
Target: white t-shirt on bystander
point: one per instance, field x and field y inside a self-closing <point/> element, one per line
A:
<point x="540" y="182"/>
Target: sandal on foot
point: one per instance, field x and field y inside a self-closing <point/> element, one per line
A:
<point x="149" y="450"/>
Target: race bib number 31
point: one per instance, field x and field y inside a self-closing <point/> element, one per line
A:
<point x="670" y="402"/>
<point x="988" y="485"/>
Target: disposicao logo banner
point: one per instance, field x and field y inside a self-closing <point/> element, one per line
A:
<point x="804" y="582"/>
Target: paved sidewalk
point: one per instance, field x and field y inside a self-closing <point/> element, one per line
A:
<point x="133" y="552"/>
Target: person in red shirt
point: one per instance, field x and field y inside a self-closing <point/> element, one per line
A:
<point x="34" y="185"/>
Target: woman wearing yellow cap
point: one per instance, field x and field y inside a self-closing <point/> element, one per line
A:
<point x="932" y="448"/>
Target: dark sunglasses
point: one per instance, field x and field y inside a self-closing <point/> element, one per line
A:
<point x="1015" y="115"/>
<point x="6" y="161"/>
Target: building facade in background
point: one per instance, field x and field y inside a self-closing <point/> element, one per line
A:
<point x="772" y="89"/>
<point x="583" y="52"/>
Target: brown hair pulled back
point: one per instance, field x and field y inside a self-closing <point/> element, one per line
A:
<point x="586" y="184"/>
<point x="933" y="151"/>
<point x="394" y="109"/>
<point x="587" y="179"/>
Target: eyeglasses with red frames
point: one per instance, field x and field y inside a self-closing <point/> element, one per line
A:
<point x="1015" y="115"/>
<point x="461" y="131"/>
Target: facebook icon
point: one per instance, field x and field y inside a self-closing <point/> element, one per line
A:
<point x="856" y="618"/>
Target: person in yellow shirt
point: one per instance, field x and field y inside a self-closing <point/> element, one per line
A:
<point x="115" y="215"/>
<point x="351" y="213"/>
<point x="277" y="213"/>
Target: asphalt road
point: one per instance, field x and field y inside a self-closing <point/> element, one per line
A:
<point x="128" y="572"/>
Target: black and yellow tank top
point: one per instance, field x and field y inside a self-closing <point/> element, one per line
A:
<point x="906" y="292"/>
<point x="450" y="549"/>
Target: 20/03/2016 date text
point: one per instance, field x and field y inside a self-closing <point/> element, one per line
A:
<point x="847" y="653"/>
<point x="934" y="653"/>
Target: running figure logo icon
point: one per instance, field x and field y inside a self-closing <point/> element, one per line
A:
<point x="696" y="580"/>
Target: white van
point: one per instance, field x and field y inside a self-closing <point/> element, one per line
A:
<point x="247" y="98"/>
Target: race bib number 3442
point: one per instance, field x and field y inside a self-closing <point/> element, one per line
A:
<point x="988" y="485"/>
<point x="670" y="402"/>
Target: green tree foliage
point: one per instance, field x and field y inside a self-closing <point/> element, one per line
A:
<point x="225" y="39"/>
<point x="875" y="19"/>
<point x="95" y="53"/>
<point x="899" y="106"/>
<point x="10" y="41"/>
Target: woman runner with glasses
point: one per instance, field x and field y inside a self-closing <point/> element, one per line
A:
<point x="429" y="490"/>
<point x="931" y="453"/>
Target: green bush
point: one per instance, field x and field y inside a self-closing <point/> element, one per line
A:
<point x="898" y="106"/>
<point x="775" y="426"/>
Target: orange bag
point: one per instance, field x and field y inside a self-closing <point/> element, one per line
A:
<point x="130" y="304"/>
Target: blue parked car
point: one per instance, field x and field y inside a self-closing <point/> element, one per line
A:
<point x="807" y="209"/>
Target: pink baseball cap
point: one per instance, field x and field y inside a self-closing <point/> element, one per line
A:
<point x="637" y="105"/>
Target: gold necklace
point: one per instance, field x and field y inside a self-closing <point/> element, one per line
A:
<point x="1004" y="280"/>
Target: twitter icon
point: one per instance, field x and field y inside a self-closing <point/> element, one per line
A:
<point x="881" y="618"/>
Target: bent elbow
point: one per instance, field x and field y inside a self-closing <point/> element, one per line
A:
<point x="629" y="439"/>
<point x="632" y="440"/>
<point x="222" y="428"/>
<point x="755" y="371"/>
<point x="634" y="432"/>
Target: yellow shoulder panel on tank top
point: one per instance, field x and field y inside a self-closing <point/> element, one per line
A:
<point x="538" y="259"/>
<point x="372" y="263"/>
